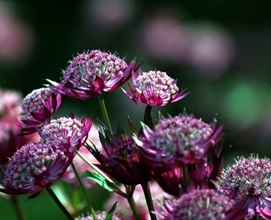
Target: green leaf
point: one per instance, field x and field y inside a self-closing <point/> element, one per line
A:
<point x="99" y="179"/>
<point x="109" y="215"/>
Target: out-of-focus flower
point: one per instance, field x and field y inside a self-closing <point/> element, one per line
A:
<point x="121" y="159"/>
<point x="154" y="88"/>
<point x="163" y="36"/>
<point x="198" y="204"/>
<point x="37" y="109"/>
<point x="13" y="49"/>
<point x="124" y="211"/>
<point x="247" y="181"/>
<point x="79" y="164"/>
<point x="68" y="134"/>
<point x="10" y="126"/>
<point x="33" y="168"/>
<point x="108" y="15"/>
<point x="177" y="141"/>
<point x="211" y="50"/>
<point x="90" y="74"/>
<point x="10" y="104"/>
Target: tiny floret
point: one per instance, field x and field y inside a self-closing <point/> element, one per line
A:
<point x="154" y="88"/>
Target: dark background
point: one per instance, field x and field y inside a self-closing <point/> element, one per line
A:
<point x="218" y="50"/>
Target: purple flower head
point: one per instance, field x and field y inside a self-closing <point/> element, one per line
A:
<point x="178" y="141"/>
<point x="37" y="109"/>
<point x="198" y="204"/>
<point x="90" y="74"/>
<point x="154" y="88"/>
<point x="121" y="159"/>
<point x="248" y="182"/>
<point x="34" y="167"/>
<point x="68" y="134"/>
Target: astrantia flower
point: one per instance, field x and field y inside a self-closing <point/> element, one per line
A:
<point x="37" y="109"/>
<point x="248" y="182"/>
<point x="90" y="74"/>
<point x="179" y="140"/>
<point x="154" y="88"/>
<point x="198" y="204"/>
<point x="34" y="167"/>
<point x="68" y="134"/>
<point x="121" y="159"/>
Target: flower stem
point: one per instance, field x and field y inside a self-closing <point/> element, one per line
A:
<point x="148" y="197"/>
<point x="17" y="208"/>
<point x="60" y="205"/>
<point x="84" y="191"/>
<point x="147" y="116"/>
<point x="105" y="114"/>
<point x="132" y="202"/>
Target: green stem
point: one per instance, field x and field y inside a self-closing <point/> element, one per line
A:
<point x="185" y="178"/>
<point x="84" y="192"/>
<point x="17" y="208"/>
<point x="148" y="197"/>
<point x="131" y="202"/>
<point x="60" y="205"/>
<point x="105" y="114"/>
<point x="147" y="116"/>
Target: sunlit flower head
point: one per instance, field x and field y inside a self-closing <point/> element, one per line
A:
<point x="89" y="74"/>
<point x="34" y="167"/>
<point x="179" y="140"/>
<point x="198" y="204"/>
<point x="248" y="182"/>
<point x="154" y="88"/>
<point x="69" y="134"/>
<point x="37" y="109"/>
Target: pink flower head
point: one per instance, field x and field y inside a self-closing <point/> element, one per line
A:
<point x="178" y="141"/>
<point x="198" y="204"/>
<point x="37" y="109"/>
<point x="247" y="181"/>
<point x="90" y="74"/>
<point x="154" y="88"/>
<point x="34" y="167"/>
<point x="68" y="134"/>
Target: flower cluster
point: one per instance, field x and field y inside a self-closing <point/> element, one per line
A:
<point x="175" y="163"/>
